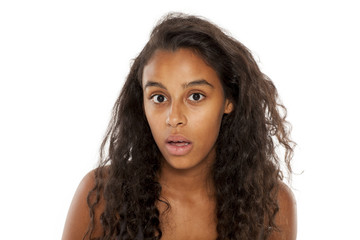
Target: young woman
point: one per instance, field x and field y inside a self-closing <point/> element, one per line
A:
<point x="191" y="147"/>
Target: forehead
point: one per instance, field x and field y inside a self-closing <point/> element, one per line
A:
<point x="180" y="66"/>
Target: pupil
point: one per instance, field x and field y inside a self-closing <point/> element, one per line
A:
<point x="160" y="98"/>
<point x="196" y="96"/>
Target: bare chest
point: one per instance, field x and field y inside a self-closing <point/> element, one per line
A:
<point x="187" y="222"/>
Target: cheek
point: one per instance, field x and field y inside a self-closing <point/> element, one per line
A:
<point x="154" y="120"/>
<point x="207" y="123"/>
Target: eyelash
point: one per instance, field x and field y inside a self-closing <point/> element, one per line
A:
<point x="153" y="98"/>
<point x="202" y="96"/>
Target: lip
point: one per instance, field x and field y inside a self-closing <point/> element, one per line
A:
<point x="178" y="145"/>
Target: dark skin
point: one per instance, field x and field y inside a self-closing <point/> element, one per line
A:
<point x="191" y="214"/>
<point x="180" y="91"/>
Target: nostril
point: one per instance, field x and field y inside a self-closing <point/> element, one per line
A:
<point x="174" y="123"/>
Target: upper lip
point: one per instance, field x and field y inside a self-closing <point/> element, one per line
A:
<point x="177" y="138"/>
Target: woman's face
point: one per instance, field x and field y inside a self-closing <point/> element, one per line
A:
<point x="184" y="103"/>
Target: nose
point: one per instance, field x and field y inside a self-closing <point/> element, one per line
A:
<point x="176" y="116"/>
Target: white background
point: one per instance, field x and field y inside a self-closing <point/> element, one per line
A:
<point x="62" y="65"/>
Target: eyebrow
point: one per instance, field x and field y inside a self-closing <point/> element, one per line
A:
<point x="154" y="84"/>
<point x="197" y="83"/>
<point x="185" y="85"/>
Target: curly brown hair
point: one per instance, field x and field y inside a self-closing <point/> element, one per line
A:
<point x="246" y="171"/>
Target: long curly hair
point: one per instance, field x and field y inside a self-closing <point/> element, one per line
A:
<point x="247" y="169"/>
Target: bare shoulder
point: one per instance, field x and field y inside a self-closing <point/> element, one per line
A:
<point x="78" y="217"/>
<point x="286" y="218"/>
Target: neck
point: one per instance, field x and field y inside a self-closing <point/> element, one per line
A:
<point x="186" y="183"/>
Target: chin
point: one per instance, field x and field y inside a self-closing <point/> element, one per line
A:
<point x="179" y="163"/>
<point x="183" y="163"/>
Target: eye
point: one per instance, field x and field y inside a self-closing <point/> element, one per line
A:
<point x="196" y="97"/>
<point x="158" y="98"/>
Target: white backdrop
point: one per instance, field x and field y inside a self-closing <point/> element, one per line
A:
<point x="62" y="65"/>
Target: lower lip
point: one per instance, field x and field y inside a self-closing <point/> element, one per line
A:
<point x="178" y="150"/>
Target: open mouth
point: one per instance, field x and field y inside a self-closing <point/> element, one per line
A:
<point x="179" y="143"/>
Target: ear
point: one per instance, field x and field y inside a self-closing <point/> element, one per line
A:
<point x="228" y="106"/>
